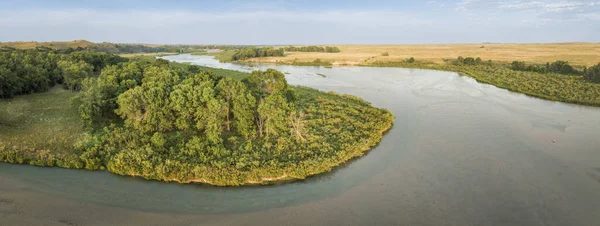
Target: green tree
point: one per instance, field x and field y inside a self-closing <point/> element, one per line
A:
<point x="196" y="106"/>
<point x="74" y="73"/>
<point x="273" y="115"/>
<point x="146" y="107"/>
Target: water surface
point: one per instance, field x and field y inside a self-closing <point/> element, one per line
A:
<point x="460" y="153"/>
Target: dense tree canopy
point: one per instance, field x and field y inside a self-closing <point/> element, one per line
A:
<point x="36" y="70"/>
<point x="592" y="74"/>
<point x="559" y="67"/>
<point x="252" y="52"/>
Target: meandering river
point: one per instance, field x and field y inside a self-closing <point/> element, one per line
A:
<point x="460" y="153"/>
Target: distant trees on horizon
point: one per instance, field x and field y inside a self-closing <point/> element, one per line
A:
<point x="327" y="49"/>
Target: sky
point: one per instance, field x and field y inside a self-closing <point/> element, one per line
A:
<point x="262" y="22"/>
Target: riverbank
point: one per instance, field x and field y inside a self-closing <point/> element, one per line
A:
<point x="550" y="86"/>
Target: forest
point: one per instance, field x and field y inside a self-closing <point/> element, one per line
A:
<point x="37" y="70"/>
<point x="177" y="122"/>
<point x="327" y="49"/>
<point x="116" y="48"/>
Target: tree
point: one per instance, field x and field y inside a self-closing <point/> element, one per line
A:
<point x="266" y="82"/>
<point x="239" y="106"/>
<point x="592" y="74"/>
<point x="561" y="67"/>
<point x="98" y="97"/>
<point x="196" y="106"/>
<point x="273" y="115"/>
<point x="74" y="73"/>
<point x="460" y="60"/>
<point x="297" y="122"/>
<point x="146" y="107"/>
<point x="469" y="61"/>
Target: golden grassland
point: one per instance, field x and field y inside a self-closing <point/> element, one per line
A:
<point x="581" y="54"/>
<point x="134" y="55"/>
<point x="58" y="45"/>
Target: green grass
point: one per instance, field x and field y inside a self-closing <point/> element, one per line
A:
<point x="322" y="75"/>
<point x="222" y="56"/>
<point x="40" y="126"/>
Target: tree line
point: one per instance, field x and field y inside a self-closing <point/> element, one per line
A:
<point x="559" y="66"/>
<point x="252" y="52"/>
<point x="36" y="70"/>
<point x="327" y="49"/>
<point x="591" y="74"/>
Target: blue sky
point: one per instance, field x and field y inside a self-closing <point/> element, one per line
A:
<point x="301" y="22"/>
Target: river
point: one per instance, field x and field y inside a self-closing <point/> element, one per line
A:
<point x="460" y="153"/>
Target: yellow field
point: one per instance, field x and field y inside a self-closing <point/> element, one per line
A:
<point x="583" y="54"/>
<point x="58" y="45"/>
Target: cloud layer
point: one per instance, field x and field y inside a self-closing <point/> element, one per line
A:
<point x="435" y="22"/>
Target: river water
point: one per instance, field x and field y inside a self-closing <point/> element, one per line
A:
<point x="460" y="153"/>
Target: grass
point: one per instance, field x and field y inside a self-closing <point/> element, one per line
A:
<point x="322" y="75"/>
<point x="222" y="56"/>
<point x="40" y="122"/>
<point x="583" y="54"/>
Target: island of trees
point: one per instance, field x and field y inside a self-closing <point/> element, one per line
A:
<point x="175" y="122"/>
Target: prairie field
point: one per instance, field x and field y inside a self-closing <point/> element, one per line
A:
<point x="580" y="54"/>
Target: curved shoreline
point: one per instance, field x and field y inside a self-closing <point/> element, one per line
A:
<point x="444" y="68"/>
<point x="283" y="178"/>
